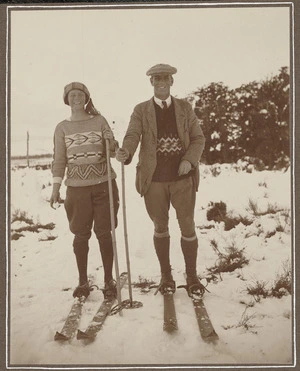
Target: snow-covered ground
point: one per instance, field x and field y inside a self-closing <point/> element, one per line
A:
<point x="43" y="274"/>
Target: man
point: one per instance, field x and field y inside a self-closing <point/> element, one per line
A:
<point x="167" y="172"/>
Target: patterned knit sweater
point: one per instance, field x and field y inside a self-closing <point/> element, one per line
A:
<point x="169" y="150"/>
<point x="79" y="147"/>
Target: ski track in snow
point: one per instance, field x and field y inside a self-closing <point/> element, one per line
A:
<point x="44" y="274"/>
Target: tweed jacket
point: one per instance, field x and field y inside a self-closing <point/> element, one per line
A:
<point x="143" y="129"/>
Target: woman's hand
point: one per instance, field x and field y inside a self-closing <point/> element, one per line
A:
<point x="108" y="134"/>
<point x="55" y="196"/>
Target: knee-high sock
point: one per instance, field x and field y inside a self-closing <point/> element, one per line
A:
<point x="162" y="248"/>
<point x="107" y="254"/>
<point x="189" y="248"/>
<point x="81" y="249"/>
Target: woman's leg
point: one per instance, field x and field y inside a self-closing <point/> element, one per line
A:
<point x="102" y="224"/>
<point x="80" y="215"/>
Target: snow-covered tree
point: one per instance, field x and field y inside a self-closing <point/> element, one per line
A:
<point x="252" y="120"/>
<point x="214" y="109"/>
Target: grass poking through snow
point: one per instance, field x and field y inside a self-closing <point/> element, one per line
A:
<point x="229" y="260"/>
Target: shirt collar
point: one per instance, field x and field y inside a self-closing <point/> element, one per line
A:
<point x="159" y="101"/>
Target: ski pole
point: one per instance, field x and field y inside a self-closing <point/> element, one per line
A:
<point x="125" y="234"/>
<point x="112" y="220"/>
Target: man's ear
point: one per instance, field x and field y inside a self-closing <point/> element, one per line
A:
<point x="172" y="80"/>
<point x="151" y="80"/>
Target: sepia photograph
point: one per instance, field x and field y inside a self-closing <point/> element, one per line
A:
<point x="151" y="185"/>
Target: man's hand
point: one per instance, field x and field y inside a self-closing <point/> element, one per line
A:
<point x="184" y="167"/>
<point x="122" y="154"/>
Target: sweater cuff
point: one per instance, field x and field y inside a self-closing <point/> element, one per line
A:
<point x="57" y="179"/>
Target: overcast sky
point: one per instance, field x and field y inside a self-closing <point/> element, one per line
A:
<point x="110" y="51"/>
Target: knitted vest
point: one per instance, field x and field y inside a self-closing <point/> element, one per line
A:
<point x="169" y="149"/>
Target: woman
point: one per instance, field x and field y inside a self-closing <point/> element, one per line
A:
<point x="79" y="147"/>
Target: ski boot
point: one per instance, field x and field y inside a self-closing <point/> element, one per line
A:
<point x="167" y="284"/>
<point x="194" y="287"/>
<point x="110" y="289"/>
<point x="82" y="290"/>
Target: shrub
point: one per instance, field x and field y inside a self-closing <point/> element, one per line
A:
<point x="244" y="322"/>
<point x="283" y="283"/>
<point x="144" y="284"/>
<point x="254" y="209"/>
<point x="282" y="224"/>
<point x="262" y="184"/>
<point x="281" y="286"/>
<point x="21" y="216"/>
<point x="228" y="261"/>
<point x="36" y="227"/>
<point x="16" y="236"/>
<point x="215" y="170"/>
<point x="218" y="212"/>
<point x="257" y="290"/>
<point x="48" y="238"/>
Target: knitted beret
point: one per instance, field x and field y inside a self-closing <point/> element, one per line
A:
<point x="75" y="85"/>
<point x="161" y="69"/>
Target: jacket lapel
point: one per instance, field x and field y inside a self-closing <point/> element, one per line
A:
<point x="179" y="121"/>
<point x="151" y="117"/>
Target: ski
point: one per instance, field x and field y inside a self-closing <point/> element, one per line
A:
<point x="170" y="320"/>
<point x="71" y="323"/>
<point x="96" y="324"/>
<point x="206" y="328"/>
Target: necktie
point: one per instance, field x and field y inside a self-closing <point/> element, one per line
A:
<point x="164" y="103"/>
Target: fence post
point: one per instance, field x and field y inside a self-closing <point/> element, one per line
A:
<point x="27" y="149"/>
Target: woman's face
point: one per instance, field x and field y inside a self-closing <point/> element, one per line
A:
<point x="76" y="99"/>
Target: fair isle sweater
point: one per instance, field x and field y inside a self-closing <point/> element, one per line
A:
<point x="80" y="148"/>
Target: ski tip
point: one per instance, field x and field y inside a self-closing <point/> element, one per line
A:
<point x="170" y="327"/>
<point x="212" y="338"/>
<point x="60" y="336"/>
<point x="83" y="335"/>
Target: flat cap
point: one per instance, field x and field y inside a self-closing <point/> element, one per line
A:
<point x="161" y="69"/>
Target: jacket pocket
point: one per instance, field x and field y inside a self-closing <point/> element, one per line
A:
<point x="196" y="177"/>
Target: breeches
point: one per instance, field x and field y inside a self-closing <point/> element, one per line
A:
<point x="181" y="195"/>
<point x="88" y="206"/>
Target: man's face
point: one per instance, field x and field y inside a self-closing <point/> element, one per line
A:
<point x="162" y="84"/>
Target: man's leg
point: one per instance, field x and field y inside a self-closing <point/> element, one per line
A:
<point x="183" y="197"/>
<point x="162" y="248"/>
<point x="157" y="203"/>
